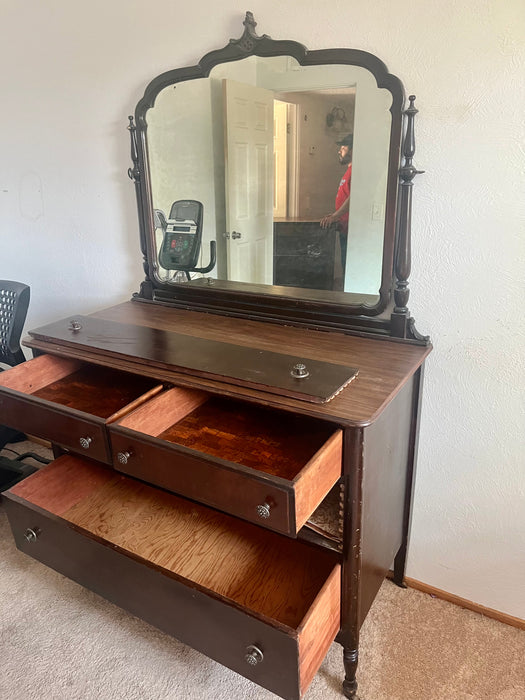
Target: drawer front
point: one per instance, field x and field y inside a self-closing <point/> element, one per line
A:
<point x="206" y="480"/>
<point x="56" y="424"/>
<point x="202" y="621"/>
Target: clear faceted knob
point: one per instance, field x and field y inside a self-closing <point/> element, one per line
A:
<point x="85" y="442"/>
<point x="263" y="511"/>
<point x="253" y="655"/>
<point x="123" y="457"/>
<point x="30" y="534"/>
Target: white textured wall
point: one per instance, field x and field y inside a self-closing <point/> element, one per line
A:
<point x="71" y="74"/>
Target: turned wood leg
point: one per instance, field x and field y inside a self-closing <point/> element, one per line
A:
<point x="350" y="657"/>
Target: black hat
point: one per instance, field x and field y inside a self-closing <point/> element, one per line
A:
<point x="346" y="141"/>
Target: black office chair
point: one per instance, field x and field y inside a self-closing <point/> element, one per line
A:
<point x="14" y="301"/>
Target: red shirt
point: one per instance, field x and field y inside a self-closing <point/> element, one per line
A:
<point x="342" y="195"/>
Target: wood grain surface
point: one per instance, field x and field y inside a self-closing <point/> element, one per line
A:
<point x="384" y="364"/>
<point x="99" y="391"/>
<point x="163" y="411"/>
<point x="318" y="477"/>
<point x="29" y="377"/>
<point x="203" y="357"/>
<point x="270" y="441"/>
<point x="318" y="629"/>
<point x="271" y="575"/>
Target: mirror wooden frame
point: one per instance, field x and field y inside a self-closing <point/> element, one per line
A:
<point x="390" y="315"/>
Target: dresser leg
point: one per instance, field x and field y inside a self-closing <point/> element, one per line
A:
<point x="350" y="657"/>
<point x="399" y="567"/>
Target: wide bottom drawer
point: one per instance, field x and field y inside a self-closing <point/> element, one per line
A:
<point x="261" y="604"/>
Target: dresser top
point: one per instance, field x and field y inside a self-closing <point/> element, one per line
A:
<point x="384" y="365"/>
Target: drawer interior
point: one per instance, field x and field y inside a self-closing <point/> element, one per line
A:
<point x="272" y="441"/>
<point x="99" y="391"/>
<point x="268" y="575"/>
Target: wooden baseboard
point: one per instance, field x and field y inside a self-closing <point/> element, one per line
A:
<point x="468" y="604"/>
<point x="39" y="441"/>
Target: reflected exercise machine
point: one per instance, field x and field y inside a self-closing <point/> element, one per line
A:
<point x="182" y="237"/>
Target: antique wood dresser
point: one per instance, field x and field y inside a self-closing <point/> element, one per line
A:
<point x="234" y="462"/>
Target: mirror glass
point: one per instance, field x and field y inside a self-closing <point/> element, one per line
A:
<point x="257" y="144"/>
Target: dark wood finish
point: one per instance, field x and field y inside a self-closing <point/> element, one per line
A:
<point x="256" y="588"/>
<point x="383" y="365"/>
<point x="281" y="578"/>
<point x="379" y="459"/>
<point x="402" y="324"/>
<point x="351" y="576"/>
<point x="278" y="291"/>
<point x="401" y="556"/>
<point x="231" y="455"/>
<point x="347" y="314"/>
<point x="216" y="582"/>
<point x="65" y="427"/>
<point x="303" y="255"/>
<point x="164" y="602"/>
<point x="67" y="402"/>
<point x="146" y="287"/>
<point x="269" y="371"/>
<point x="210" y="481"/>
<point x="379" y="415"/>
<point x="386" y="442"/>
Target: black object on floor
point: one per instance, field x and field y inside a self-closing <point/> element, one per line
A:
<point x="8" y="435"/>
<point x="14" y="470"/>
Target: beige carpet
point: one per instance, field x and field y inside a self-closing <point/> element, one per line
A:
<point x="61" y="642"/>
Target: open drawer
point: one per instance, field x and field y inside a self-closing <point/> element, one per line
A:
<point x="264" y="605"/>
<point x="69" y="402"/>
<point x="266" y="466"/>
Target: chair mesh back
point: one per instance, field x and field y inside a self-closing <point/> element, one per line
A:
<point x="14" y="300"/>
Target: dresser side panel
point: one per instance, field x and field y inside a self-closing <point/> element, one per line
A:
<point x="385" y="466"/>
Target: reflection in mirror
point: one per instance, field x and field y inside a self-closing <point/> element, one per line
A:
<point x="257" y="145"/>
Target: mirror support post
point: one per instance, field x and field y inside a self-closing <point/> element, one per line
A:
<point x="402" y="325"/>
<point x="134" y="174"/>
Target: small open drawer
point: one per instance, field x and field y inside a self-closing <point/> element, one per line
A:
<point x="264" y="605"/>
<point x="69" y="402"/>
<point x="266" y="466"/>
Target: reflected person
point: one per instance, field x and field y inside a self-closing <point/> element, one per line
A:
<point x="342" y="197"/>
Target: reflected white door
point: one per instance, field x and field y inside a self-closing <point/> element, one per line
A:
<point x="249" y="182"/>
<point x="280" y="159"/>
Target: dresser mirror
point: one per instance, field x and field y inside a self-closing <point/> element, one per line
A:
<point x="237" y="163"/>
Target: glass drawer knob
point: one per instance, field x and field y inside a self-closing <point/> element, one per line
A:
<point x="253" y="656"/>
<point x="85" y="442"/>
<point x="75" y="326"/>
<point x="123" y="457"/>
<point x="263" y="511"/>
<point x="30" y="534"/>
<point x="299" y="371"/>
